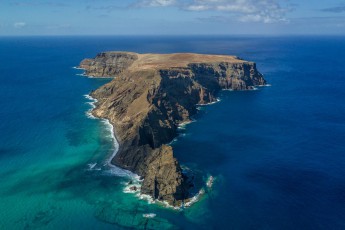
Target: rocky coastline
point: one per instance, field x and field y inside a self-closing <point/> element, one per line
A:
<point x="149" y="97"/>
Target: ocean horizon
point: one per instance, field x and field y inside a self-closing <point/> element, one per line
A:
<point x="276" y="153"/>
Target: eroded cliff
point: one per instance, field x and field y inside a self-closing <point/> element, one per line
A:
<point x="150" y="95"/>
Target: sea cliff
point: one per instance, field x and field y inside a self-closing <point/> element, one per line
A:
<point x="150" y="95"/>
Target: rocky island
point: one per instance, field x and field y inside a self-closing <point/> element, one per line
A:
<point x="149" y="97"/>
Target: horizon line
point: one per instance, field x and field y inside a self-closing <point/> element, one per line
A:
<point x="169" y="35"/>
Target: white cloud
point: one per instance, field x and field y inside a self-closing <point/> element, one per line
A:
<point x="19" y="25"/>
<point x="156" y="3"/>
<point x="266" y="11"/>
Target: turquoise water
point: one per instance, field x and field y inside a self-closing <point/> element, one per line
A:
<point x="49" y="144"/>
<point x="276" y="153"/>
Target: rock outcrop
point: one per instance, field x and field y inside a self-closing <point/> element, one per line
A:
<point x="150" y="95"/>
<point x="108" y="64"/>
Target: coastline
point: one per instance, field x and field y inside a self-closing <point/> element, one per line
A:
<point x="277" y="154"/>
<point x="92" y="102"/>
<point x="88" y="76"/>
<point x="148" y="112"/>
<point x="114" y="170"/>
<point x="134" y="178"/>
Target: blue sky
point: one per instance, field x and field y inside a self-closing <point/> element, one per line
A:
<point x="171" y="17"/>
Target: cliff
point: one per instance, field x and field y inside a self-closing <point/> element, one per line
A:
<point x="150" y="95"/>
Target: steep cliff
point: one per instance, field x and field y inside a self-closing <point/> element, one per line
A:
<point x="150" y="95"/>
<point x="108" y="64"/>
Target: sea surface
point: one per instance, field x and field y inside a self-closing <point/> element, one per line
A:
<point x="277" y="153"/>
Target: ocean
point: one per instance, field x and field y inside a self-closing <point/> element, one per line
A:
<point x="277" y="153"/>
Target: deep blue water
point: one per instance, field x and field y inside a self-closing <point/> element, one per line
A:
<point x="278" y="153"/>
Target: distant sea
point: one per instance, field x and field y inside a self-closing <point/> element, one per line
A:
<point x="277" y="153"/>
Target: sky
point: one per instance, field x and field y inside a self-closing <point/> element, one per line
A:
<point x="172" y="17"/>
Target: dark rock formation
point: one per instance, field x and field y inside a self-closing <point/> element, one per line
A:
<point x="150" y="96"/>
<point x="107" y="64"/>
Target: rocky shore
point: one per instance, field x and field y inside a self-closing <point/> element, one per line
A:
<point x="150" y="95"/>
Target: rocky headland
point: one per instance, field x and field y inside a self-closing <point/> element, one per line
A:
<point x="150" y="95"/>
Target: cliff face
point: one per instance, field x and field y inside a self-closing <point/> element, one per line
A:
<point x="108" y="64"/>
<point x="149" y="97"/>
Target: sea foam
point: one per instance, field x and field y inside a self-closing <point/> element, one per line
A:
<point x="195" y="198"/>
<point x="210" y="103"/>
<point x="149" y="215"/>
<point x="111" y="169"/>
<point x="75" y="67"/>
<point x="92" y="167"/>
<point x="184" y="124"/>
<point x="114" y="170"/>
<point x="92" y="103"/>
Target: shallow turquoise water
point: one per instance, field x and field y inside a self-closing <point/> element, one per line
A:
<point x="49" y="144"/>
<point x="276" y="153"/>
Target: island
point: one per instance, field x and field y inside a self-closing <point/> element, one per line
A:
<point x="149" y="97"/>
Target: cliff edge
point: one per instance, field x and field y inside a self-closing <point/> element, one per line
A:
<point x="150" y="95"/>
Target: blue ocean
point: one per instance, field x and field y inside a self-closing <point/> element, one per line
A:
<point x="277" y="153"/>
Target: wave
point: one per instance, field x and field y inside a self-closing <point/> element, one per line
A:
<point x="151" y="200"/>
<point x="148" y="198"/>
<point x="132" y="187"/>
<point x="92" y="103"/>
<point x="116" y="171"/>
<point x="112" y="169"/>
<point x="84" y="75"/>
<point x="149" y="215"/>
<point x="91" y="167"/>
<point x="173" y="141"/>
<point x="184" y="124"/>
<point x="188" y="204"/>
<point x="210" y="103"/>
<point x="267" y="85"/>
<point x="135" y="185"/>
<point x="89" y="115"/>
<point x="87" y="96"/>
<point x="210" y="181"/>
<point x="91" y="76"/>
<point x="195" y="198"/>
<point x="209" y="184"/>
<point x="76" y="67"/>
